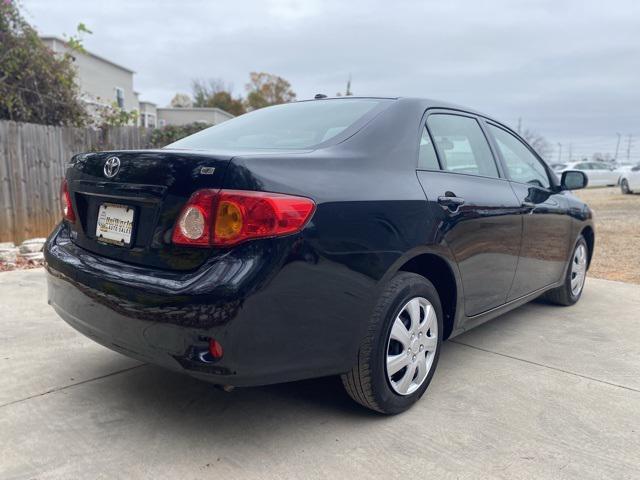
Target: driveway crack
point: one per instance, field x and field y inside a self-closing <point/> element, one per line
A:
<point x="58" y="389"/>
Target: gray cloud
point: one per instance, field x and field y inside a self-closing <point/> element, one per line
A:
<point x="570" y="69"/>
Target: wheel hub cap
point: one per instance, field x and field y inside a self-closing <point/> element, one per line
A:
<point x="578" y="269"/>
<point x="411" y="347"/>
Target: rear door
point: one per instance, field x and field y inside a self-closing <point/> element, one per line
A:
<point x="546" y="233"/>
<point x="477" y="212"/>
<point x="599" y="174"/>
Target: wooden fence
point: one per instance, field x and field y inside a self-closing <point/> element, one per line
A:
<point x="32" y="163"/>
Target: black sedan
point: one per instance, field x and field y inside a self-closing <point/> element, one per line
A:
<point x="342" y="236"/>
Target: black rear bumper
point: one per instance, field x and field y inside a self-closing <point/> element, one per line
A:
<point x="279" y="313"/>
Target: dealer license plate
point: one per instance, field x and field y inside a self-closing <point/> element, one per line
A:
<point x="115" y="224"/>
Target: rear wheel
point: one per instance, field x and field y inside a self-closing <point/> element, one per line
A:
<point x="571" y="290"/>
<point x="400" y="351"/>
<point x="624" y="186"/>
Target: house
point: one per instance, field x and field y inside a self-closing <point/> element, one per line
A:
<point x="105" y="83"/>
<point x="101" y="81"/>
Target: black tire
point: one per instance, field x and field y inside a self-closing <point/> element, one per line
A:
<point x="367" y="381"/>
<point x="624" y="186"/>
<point x="563" y="295"/>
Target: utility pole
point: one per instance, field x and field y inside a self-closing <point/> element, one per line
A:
<point x="629" y="142"/>
<point x="617" y="147"/>
<point x="570" y="151"/>
<point x="519" y="126"/>
<point x="559" y="152"/>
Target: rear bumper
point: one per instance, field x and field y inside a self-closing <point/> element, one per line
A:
<point x="279" y="313"/>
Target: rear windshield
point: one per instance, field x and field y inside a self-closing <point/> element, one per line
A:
<point x="291" y="125"/>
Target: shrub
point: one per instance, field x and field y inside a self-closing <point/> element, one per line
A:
<point x="165" y="135"/>
<point x="36" y="86"/>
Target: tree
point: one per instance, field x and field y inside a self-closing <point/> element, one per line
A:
<point x="265" y="89"/>
<point x="181" y="100"/>
<point x="36" y="86"/>
<point x="538" y="143"/>
<point x="214" y="93"/>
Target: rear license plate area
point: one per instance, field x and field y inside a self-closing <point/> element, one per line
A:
<point x="115" y="224"/>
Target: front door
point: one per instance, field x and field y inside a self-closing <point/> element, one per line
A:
<point x="477" y="212"/>
<point x="546" y="229"/>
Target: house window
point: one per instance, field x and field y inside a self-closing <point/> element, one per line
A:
<point x="120" y="97"/>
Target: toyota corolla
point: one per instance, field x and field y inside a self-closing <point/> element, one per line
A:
<point x="347" y="236"/>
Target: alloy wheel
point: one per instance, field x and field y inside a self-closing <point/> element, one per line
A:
<point x="412" y="345"/>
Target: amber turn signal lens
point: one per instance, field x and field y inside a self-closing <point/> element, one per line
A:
<point x="228" y="223"/>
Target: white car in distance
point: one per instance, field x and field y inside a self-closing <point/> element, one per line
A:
<point x="630" y="180"/>
<point x="600" y="174"/>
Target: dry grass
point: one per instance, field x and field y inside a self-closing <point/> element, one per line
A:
<point x="617" y="219"/>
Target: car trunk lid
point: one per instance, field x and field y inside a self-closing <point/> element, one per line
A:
<point x="152" y="186"/>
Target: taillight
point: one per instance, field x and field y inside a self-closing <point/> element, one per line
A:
<point x="228" y="217"/>
<point x="65" y="201"/>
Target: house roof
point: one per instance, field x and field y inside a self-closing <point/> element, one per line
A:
<point x="87" y="52"/>
<point x="198" y="109"/>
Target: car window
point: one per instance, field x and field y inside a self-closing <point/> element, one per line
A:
<point x="461" y="145"/>
<point x="427" y="158"/>
<point x="522" y="165"/>
<point x="287" y="126"/>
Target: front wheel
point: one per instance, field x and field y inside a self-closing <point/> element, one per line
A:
<point x="571" y="290"/>
<point x="624" y="186"/>
<point x="400" y="351"/>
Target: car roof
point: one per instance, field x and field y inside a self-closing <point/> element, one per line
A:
<point x="426" y="103"/>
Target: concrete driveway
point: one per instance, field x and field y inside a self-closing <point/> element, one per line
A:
<point x="543" y="392"/>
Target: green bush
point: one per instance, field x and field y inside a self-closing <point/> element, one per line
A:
<point x="163" y="136"/>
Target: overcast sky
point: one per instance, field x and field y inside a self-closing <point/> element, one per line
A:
<point x="569" y="69"/>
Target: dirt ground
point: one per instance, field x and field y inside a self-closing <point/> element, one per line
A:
<point x="617" y="219"/>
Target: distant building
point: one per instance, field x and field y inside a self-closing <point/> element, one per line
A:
<point x="101" y="81"/>
<point x="104" y="83"/>
<point x="184" y="116"/>
<point x="148" y="115"/>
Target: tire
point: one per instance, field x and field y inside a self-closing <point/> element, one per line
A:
<point x="367" y="382"/>
<point x="566" y="295"/>
<point x="624" y="186"/>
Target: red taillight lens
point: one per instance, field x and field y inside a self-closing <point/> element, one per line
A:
<point x="195" y="220"/>
<point x="229" y="217"/>
<point x="65" y="200"/>
<point x="215" y="349"/>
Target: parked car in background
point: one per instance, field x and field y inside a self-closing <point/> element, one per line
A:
<point x="342" y="236"/>
<point x="630" y="180"/>
<point x="600" y="174"/>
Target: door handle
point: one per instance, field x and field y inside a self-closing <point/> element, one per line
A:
<point x="451" y="202"/>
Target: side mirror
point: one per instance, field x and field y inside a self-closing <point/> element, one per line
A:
<point x="573" y="180"/>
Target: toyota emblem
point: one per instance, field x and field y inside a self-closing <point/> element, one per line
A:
<point x="111" y="167"/>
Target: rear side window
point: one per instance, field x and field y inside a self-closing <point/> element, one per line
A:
<point x="461" y="145"/>
<point x="522" y="165"/>
<point x="287" y="126"/>
<point x="427" y="158"/>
